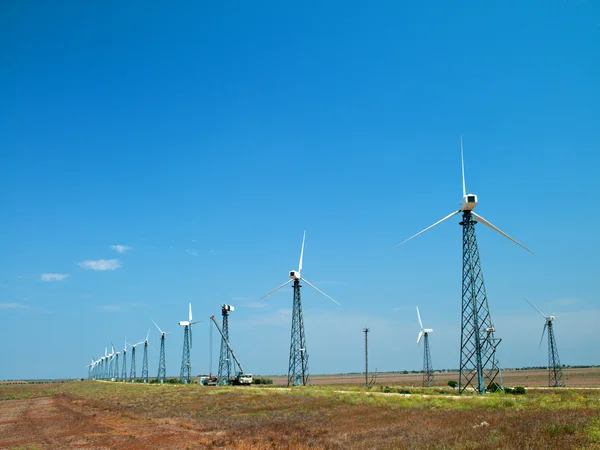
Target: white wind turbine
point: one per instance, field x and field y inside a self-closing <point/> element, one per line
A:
<point x="555" y="374"/>
<point x="186" y="362"/>
<point x="479" y="367"/>
<point x="162" y="365"/>
<point x="427" y="366"/>
<point x="298" y="363"/>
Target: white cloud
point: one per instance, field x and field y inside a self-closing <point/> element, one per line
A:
<point x="254" y="305"/>
<point x="13" y="306"/>
<point x="54" y="276"/>
<point x="110" y="308"/>
<point x="192" y="252"/>
<point x="100" y="264"/>
<point x="120" y="248"/>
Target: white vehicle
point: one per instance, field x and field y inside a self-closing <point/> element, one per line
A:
<point x="244" y="378"/>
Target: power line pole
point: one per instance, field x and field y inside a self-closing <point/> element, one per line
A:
<point x="366" y="331"/>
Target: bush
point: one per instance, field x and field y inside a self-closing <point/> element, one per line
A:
<point x="494" y="387"/>
<point x="262" y="381"/>
<point x="519" y="390"/>
<point x="452" y="384"/>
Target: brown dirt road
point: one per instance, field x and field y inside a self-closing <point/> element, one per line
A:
<point x="59" y="423"/>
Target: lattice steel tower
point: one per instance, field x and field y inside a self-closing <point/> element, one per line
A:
<point x="555" y="373"/>
<point x="116" y="368"/>
<point x="124" y="368"/>
<point x="479" y="369"/>
<point x="132" y="375"/>
<point x="479" y="366"/>
<point x="298" y="363"/>
<point x="162" y="364"/>
<point x="145" y="360"/>
<point x="186" y="361"/>
<point x="427" y="366"/>
<point x="225" y="371"/>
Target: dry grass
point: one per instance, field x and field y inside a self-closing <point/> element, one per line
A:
<point x="323" y="417"/>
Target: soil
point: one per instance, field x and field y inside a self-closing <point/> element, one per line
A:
<point x="59" y="423"/>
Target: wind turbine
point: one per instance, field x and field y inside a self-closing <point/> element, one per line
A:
<point x="162" y="365"/>
<point x="90" y="368"/>
<point x="105" y="364"/>
<point x="186" y="362"/>
<point x="145" y="360"/>
<point x="115" y="376"/>
<point x="124" y="370"/>
<point x="555" y="374"/>
<point x="427" y="367"/>
<point x="132" y="375"/>
<point x="479" y="368"/>
<point x="298" y="365"/>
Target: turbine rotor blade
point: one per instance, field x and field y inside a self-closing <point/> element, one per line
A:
<point x="543" y="331"/>
<point x="541" y="313"/>
<point x="487" y="224"/>
<point x="277" y="288"/>
<point x="159" y="330"/>
<point x="462" y="160"/>
<point x="302" y="252"/>
<point x="419" y="338"/>
<point x="319" y="290"/>
<point x="190" y="311"/>
<point x="428" y="228"/>
<point x="419" y="316"/>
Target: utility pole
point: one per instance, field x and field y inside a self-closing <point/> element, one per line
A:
<point x="366" y="331"/>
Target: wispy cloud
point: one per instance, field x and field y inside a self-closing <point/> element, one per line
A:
<point x="212" y="252"/>
<point x="255" y="305"/>
<point x="110" y="308"/>
<point x="192" y="252"/>
<point x="54" y="276"/>
<point x="100" y="264"/>
<point x="120" y="248"/>
<point x="14" y="306"/>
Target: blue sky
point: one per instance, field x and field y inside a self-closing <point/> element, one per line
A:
<point x="206" y="138"/>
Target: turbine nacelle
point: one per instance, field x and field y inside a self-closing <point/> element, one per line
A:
<point x="184" y="323"/>
<point x="427" y="330"/>
<point x="468" y="203"/>
<point x="550" y="318"/>
<point x="295" y="275"/>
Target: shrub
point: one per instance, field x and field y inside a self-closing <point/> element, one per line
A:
<point x="494" y="387"/>
<point x="452" y="384"/>
<point x="262" y="381"/>
<point x="519" y="390"/>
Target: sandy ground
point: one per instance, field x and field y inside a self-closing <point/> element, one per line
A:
<point x="59" y="423"/>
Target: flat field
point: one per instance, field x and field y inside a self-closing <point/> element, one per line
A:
<point x="586" y="377"/>
<point x="96" y="414"/>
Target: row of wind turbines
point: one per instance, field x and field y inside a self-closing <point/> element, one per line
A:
<point x="107" y="367"/>
<point x="555" y="372"/>
<point x="479" y="365"/>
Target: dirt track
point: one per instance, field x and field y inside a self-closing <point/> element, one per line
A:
<point x="58" y="423"/>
